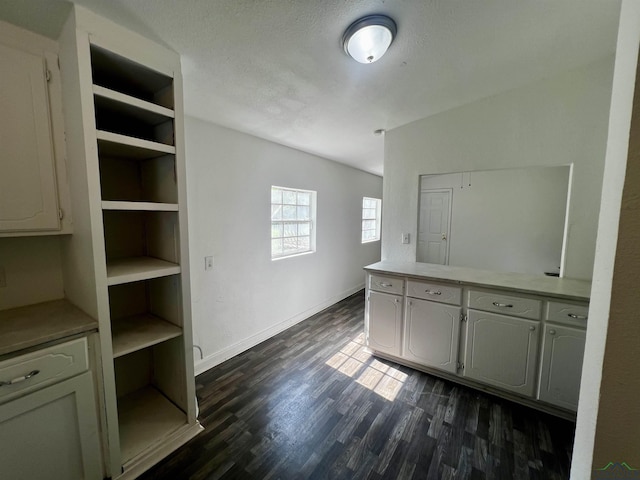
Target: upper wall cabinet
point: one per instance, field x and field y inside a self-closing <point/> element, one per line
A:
<point x="31" y="157"/>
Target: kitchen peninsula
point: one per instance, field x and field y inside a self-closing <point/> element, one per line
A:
<point x="518" y="336"/>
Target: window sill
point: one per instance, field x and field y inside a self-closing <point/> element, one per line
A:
<point x="292" y="255"/>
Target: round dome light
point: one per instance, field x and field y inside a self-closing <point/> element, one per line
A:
<point x="367" y="39"/>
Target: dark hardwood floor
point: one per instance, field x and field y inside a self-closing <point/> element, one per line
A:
<point x="312" y="403"/>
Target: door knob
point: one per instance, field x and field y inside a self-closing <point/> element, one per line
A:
<point x="444" y="236"/>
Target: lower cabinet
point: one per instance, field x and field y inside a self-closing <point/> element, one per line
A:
<point x="432" y="334"/>
<point x="562" y="354"/>
<point x="384" y="318"/>
<point x="502" y="351"/>
<point x="513" y="342"/>
<point x="52" y="433"/>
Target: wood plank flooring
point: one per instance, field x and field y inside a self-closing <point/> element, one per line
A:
<point x="311" y="403"/>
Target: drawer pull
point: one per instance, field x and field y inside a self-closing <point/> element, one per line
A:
<point x="579" y="317"/>
<point x="32" y="373"/>
<point x="432" y="292"/>
<point x="505" y="305"/>
<point x="552" y="332"/>
<point x="385" y="284"/>
<point x="532" y="328"/>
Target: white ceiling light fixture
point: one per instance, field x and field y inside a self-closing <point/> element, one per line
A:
<point x="367" y="39"/>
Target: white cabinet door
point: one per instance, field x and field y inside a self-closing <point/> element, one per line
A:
<point x="432" y="334"/>
<point x="384" y="321"/>
<point x="28" y="197"/>
<point x="562" y="353"/>
<point x="51" y="434"/>
<point x="502" y="351"/>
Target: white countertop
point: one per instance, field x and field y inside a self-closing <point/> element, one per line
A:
<point x="565" y="288"/>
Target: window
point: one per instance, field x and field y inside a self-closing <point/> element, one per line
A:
<point x="292" y="219"/>
<point x="370" y="219"/>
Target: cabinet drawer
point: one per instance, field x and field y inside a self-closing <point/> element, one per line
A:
<point x="434" y="292"/>
<point x="381" y="283"/>
<point x="567" y="313"/>
<point x="505" y="304"/>
<point x="43" y="367"/>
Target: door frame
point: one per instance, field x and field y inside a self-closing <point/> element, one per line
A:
<point x="436" y="190"/>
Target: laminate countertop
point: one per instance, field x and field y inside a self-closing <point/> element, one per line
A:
<point x="565" y="288"/>
<point x="33" y="325"/>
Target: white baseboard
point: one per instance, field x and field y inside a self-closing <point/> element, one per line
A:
<point x="220" y="356"/>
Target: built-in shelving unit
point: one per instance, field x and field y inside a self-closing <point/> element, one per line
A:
<point x="127" y="91"/>
<point x="136" y="141"/>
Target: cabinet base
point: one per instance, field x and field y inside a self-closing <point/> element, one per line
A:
<point x="528" y="402"/>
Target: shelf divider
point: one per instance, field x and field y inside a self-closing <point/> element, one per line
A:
<point x="117" y="145"/>
<point x="129" y="103"/>
<point x="134" y="333"/>
<point x="134" y="269"/>
<point x="137" y="206"/>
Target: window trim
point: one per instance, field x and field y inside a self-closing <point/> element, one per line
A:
<point x="312" y="222"/>
<point x="378" y="220"/>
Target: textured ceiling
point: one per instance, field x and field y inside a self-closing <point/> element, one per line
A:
<point x="276" y="69"/>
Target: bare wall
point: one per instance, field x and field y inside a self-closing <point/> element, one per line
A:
<point x="247" y="297"/>
<point x="509" y="220"/>
<point x="33" y="270"/>
<point x="558" y="121"/>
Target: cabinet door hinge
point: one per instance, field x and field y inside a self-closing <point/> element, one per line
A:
<point x="47" y="72"/>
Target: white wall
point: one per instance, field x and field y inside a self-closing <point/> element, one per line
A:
<point x="609" y="412"/>
<point x="558" y="121"/>
<point x="247" y="297"/>
<point x="509" y="220"/>
<point x="33" y="270"/>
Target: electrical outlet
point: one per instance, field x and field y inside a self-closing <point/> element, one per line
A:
<point x="405" y="238"/>
<point x="3" y="278"/>
<point x="208" y="263"/>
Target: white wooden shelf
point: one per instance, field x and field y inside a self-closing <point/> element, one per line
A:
<point x="139" y="206"/>
<point x="131" y="106"/>
<point x="123" y="146"/>
<point x="131" y="334"/>
<point x="146" y="418"/>
<point x="126" y="270"/>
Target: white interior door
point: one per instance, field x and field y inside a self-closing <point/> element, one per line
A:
<point x="434" y="226"/>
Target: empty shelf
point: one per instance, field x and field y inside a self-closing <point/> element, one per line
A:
<point x="122" y="146"/>
<point x="134" y="333"/>
<point x="147" y="206"/>
<point x="146" y="418"/>
<point x="131" y="106"/>
<point x="125" y="270"/>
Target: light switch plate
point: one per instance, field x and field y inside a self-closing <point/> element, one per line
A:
<point x="208" y="263"/>
<point x="405" y="238"/>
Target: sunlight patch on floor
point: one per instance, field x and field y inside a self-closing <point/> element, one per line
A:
<point x="382" y="379"/>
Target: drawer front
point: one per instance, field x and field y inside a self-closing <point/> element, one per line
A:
<point x="381" y="283"/>
<point x="43" y="367"/>
<point x="567" y="313"/>
<point x="505" y="304"/>
<point x="434" y="292"/>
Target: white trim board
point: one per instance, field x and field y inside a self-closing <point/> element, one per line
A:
<point x="220" y="356"/>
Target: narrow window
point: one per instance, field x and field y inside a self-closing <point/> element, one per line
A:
<point x="292" y="221"/>
<point x="370" y="219"/>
